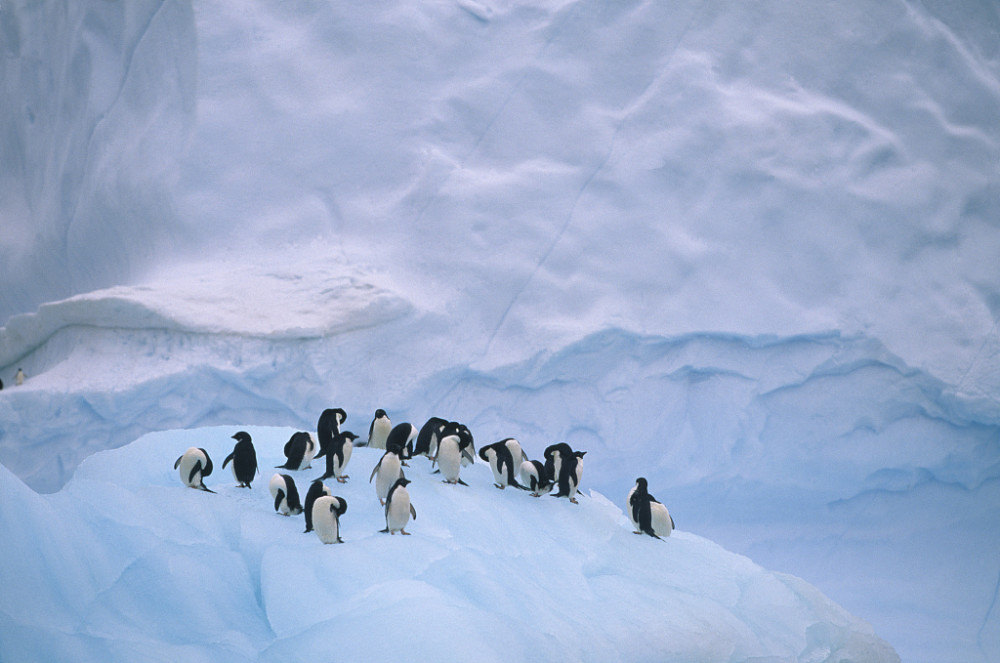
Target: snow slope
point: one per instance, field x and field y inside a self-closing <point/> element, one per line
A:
<point x="748" y="248"/>
<point x="137" y="565"/>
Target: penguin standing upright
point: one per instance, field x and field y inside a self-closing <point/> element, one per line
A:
<point x="19" y="377"/>
<point x="648" y="516"/>
<point x="388" y="469"/>
<point x="244" y="459"/>
<point x="194" y="465"/>
<point x="338" y="454"/>
<point x="316" y="490"/>
<point x="285" y="494"/>
<point x="379" y="430"/>
<point x="454" y="449"/>
<point x="501" y="462"/>
<point x="328" y="427"/>
<point x="299" y="450"/>
<point x="535" y="478"/>
<point x="398" y="508"/>
<point x="564" y="468"/>
<point x="326" y="513"/>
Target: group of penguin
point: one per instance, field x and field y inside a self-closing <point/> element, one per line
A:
<point x="448" y="444"/>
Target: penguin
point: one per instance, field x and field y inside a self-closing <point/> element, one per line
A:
<point x="299" y="450"/>
<point x="194" y="466"/>
<point x="564" y="468"/>
<point x="328" y="427"/>
<point x="316" y="490"/>
<point x="286" y="496"/>
<point x="326" y="513"/>
<point x="244" y="458"/>
<point x="389" y="469"/>
<point x="1" y="385"/>
<point x="400" y="440"/>
<point x="468" y="442"/>
<point x="379" y="430"/>
<point x="398" y="508"/>
<point x="454" y="449"/>
<point x="516" y="452"/>
<point x="648" y="516"/>
<point x="19" y="377"/>
<point x="338" y="454"/>
<point x="534" y="478"/>
<point x="502" y="463"/>
<point x="427" y="439"/>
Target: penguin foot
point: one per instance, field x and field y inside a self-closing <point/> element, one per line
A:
<point x="403" y="531"/>
<point x="381" y="501"/>
<point x="573" y="500"/>
<point x="342" y="479"/>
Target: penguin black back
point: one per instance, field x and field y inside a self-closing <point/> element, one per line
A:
<point x="328" y="427"/>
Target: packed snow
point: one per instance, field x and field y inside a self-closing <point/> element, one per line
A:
<point x="126" y="562"/>
<point x="747" y="252"/>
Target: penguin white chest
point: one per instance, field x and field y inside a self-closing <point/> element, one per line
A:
<point x="449" y="458"/>
<point x="325" y="521"/>
<point x="660" y="519"/>
<point x="397" y="513"/>
<point x="388" y="472"/>
<point x="380" y="432"/>
<point x="338" y="467"/>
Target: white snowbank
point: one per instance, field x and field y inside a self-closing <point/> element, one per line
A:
<point x="126" y="562"/>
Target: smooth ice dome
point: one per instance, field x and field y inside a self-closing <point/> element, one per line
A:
<point x="137" y="564"/>
<point x="747" y="251"/>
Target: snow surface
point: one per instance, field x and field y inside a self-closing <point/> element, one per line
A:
<point x="748" y="251"/>
<point x="125" y="562"/>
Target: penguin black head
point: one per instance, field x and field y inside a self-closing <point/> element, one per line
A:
<point x="242" y="436"/>
<point x="348" y="435"/>
<point x="380" y="413"/>
<point x="641" y="483"/>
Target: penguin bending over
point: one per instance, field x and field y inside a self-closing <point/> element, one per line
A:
<point x="648" y="516"/>
<point x="326" y="513"/>
<point x="316" y="490"/>
<point x="194" y="466"/>
<point x="389" y="469"/>
<point x="339" y="452"/>
<point x="328" y="427"/>
<point x="244" y="458"/>
<point x="299" y="450"/>
<point x="427" y="439"/>
<point x="400" y="440"/>
<point x="564" y="468"/>
<point x="454" y="449"/>
<point x="285" y="494"/>
<point x="398" y="508"/>
<point x="534" y="478"/>
<point x="379" y="430"/>
<point x="501" y="461"/>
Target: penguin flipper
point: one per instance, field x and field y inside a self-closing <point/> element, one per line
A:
<point x="462" y="483"/>
<point x="177" y="462"/>
<point x="413" y="512"/>
<point x="207" y="489"/>
<point x="375" y="470"/>
<point x="207" y="471"/>
<point x="228" y="458"/>
<point x="280" y="495"/>
<point x="384" y="531"/>
<point x="194" y="470"/>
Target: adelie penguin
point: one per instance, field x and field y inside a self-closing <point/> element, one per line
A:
<point x="299" y="451"/>
<point x="243" y="458"/>
<point x="285" y="494"/>
<point x="328" y="427"/>
<point x="194" y="466"/>
<point x="326" y="513"/>
<point x="379" y="430"/>
<point x="388" y="470"/>
<point x="398" y="508"/>
<point x="316" y="490"/>
<point x="564" y="468"/>
<point x="428" y="437"/>
<point x="454" y="449"/>
<point x="535" y="478"/>
<point x="400" y="440"/>
<point x="648" y="516"/>
<point x="338" y="454"/>
<point x="501" y="461"/>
